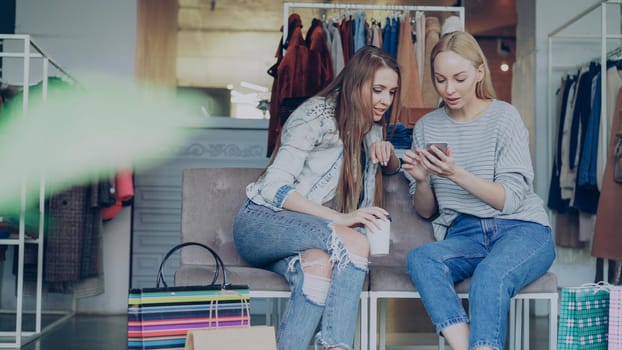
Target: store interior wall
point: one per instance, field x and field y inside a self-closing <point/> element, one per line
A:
<point x="102" y="38"/>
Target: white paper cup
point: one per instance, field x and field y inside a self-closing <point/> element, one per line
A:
<point x="379" y="239"/>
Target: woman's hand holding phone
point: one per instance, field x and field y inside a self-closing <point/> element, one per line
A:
<point x="434" y="159"/>
<point x="438" y="160"/>
<point x="431" y="147"/>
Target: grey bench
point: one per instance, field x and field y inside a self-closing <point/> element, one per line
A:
<point x="211" y="197"/>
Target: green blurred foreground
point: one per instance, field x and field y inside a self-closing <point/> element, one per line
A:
<point x="83" y="131"/>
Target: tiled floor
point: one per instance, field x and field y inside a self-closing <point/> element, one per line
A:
<point x="91" y="332"/>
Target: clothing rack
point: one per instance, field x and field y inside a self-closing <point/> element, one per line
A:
<point x="25" y="54"/>
<point x="605" y="38"/>
<point x="290" y="5"/>
<point x="615" y="52"/>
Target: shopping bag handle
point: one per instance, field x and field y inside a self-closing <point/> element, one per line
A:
<point x="220" y="266"/>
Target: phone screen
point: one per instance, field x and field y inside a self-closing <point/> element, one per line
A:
<point x="440" y="145"/>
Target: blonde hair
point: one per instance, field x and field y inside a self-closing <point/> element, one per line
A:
<point x="465" y="45"/>
<point x="352" y="91"/>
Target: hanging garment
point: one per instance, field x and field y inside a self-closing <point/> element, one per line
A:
<point x="124" y="189"/>
<point x="71" y="245"/>
<point x="614" y="84"/>
<point x="451" y="24"/>
<point x="566" y="217"/>
<point x="347" y="39"/>
<point x="567" y="230"/>
<point x="555" y="201"/>
<point x="359" y="31"/>
<point x="394" y="37"/>
<point x="568" y="172"/>
<point x="386" y="35"/>
<point x="586" y="190"/>
<point x="432" y="36"/>
<point x="334" y="47"/>
<point x="376" y="39"/>
<point x="410" y="90"/>
<point x="607" y="241"/>
<point x="420" y="44"/>
<point x="288" y="69"/>
<point x="319" y="69"/>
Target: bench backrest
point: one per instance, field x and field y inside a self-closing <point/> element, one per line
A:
<point x="408" y="229"/>
<point x="211" y="198"/>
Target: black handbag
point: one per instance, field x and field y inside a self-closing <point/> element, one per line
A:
<point x="161" y="317"/>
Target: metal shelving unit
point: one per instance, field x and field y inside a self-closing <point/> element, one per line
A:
<point x="28" y="53"/>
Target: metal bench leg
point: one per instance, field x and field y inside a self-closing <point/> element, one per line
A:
<point x="553" y="312"/>
<point x="364" y="316"/>
<point x="526" y="310"/>
<point x="519" y="324"/>
<point x="512" y="324"/>
<point x="373" y="322"/>
<point x="383" y="324"/>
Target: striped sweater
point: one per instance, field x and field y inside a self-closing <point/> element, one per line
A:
<point x="495" y="147"/>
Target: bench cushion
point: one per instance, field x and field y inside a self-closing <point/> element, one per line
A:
<point x="256" y="279"/>
<point x="408" y="229"/>
<point x="396" y="279"/>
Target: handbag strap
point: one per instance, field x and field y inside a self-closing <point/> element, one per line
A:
<point x="596" y="287"/>
<point x="220" y="266"/>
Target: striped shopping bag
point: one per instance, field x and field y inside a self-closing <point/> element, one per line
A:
<point x="615" y="318"/>
<point x="160" y="317"/>
<point x="583" y="317"/>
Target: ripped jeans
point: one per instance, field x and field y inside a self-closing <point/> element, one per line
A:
<point x="273" y="240"/>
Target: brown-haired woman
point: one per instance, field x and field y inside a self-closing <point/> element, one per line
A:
<point x="331" y="151"/>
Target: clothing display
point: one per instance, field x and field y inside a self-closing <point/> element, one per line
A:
<point x="410" y="89"/>
<point x="607" y="241"/>
<point x="73" y="250"/>
<point x="306" y="64"/>
<point x="577" y="177"/>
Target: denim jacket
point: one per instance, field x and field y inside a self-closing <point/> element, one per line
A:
<point x="309" y="159"/>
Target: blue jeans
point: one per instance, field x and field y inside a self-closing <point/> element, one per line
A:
<point x="502" y="256"/>
<point x="273" y="240"/>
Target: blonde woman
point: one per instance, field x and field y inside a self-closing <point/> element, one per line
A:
<point x="489" y="223"/>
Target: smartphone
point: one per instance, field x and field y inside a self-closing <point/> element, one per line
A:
<point x="440" y="145"/>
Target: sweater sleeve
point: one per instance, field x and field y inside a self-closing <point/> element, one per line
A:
<point x="513" y="169"/>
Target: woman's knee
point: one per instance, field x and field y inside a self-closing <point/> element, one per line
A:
<point x="420" y="255"/>
<point x="316" y="262"/>
<point x="317" y="270"/>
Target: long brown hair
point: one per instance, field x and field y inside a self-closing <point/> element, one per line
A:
<point x="465" y="45"/>
<point x="352" y="91"/>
